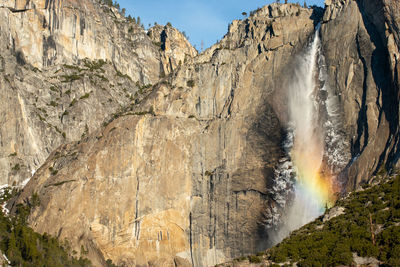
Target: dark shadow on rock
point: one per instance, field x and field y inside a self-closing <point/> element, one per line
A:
<point x="19" y="55"/>
<point x="362" y="121"/>
<point x="267" y="133"/>
<point x="380" y="67"/>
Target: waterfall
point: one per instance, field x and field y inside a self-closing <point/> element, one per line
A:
<point x="304" y="180"/>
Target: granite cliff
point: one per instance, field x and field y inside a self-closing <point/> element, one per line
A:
<point x="183" y="171"/>
<point x="66" y="66"/>
<point x="363" y="68"/>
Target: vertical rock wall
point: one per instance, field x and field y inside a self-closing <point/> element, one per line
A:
<point x="65" y="68"/>
<point x="45" y="33"/>
<point x="361" y="55"/>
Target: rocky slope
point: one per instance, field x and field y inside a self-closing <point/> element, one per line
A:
<point x="66" y="66"/>
<point x="185" y="174"/>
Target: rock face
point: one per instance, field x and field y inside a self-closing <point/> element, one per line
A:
<point x="176" y="49"/>
<point x="363" y="68"/>
<point x="45" y="33"/>
<point x="184" y="174"/>
<point x="63" y="68"/>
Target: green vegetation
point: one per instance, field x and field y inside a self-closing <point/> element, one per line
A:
<point x="53" y="171"/>
<point x="23" y="246"/>
<point x="158" y="44"/>
<point x="102" y="77"/>
<point x="190" y="83"/>
<point x="13" y="154"/>
<point x="370" y="227"/>
<point x="53" y="103"/>
<point x="73" y="102"/>
<point x="138" y="113"/>
<point x="87" y="95"/>
<point x="143" y="87"/>
<point x="56" y="128"/>
<point x="253" y="12"/>
<point x="65" y="113"/>
<point x="127" y="112"/>
<point x="73" y="67"/>
<point x="122" y="11"/>
<point x="110" y="3"/>
<point x="208" y="173"/>
<point x="110" y="264"/>
<point x="71" y="78"/>
<point x="60" y="183"/>
<point x="119" y="74"/>
<point x="16" y="167"/>
<point x="41" y="118"/>
<point x="254" y="259"/>
<point x="44" y="111"/>
<point x="94" y="65"/>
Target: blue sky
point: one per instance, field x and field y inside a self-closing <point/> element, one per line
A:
<point x="202" y="20"/>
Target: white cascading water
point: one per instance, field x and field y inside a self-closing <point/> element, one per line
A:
<point x="304" y="185"/>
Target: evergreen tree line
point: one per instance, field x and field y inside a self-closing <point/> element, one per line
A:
<point x="115" y="4"/>
<point x="24" y="247"/>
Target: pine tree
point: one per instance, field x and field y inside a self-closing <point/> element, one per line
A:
<point x="13" y="253"/>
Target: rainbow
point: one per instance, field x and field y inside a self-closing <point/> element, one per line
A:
<point x="307" y="155"/>
<point x="321" y="187"/>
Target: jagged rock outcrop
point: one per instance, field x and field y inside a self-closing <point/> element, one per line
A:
<point x="58" y="93"/>
<point x="176" y="49"/>
<point x="185" y="177"/>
